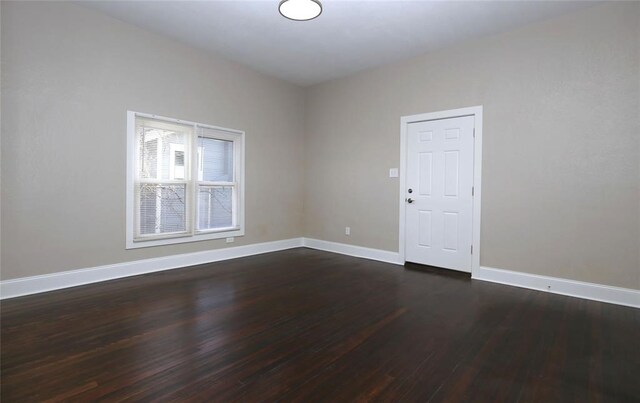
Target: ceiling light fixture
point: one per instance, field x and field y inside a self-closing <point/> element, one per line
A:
<point x="300" y="10"/>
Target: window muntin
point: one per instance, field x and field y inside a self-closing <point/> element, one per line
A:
<point x="185" y="183"/>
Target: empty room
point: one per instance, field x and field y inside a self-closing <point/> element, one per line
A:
<point x="320" y="201"/>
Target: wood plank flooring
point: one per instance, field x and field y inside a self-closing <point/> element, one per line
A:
<point x="305" y="325"/>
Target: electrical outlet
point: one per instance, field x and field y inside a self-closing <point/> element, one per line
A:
<point x="347" y="230"/>
<point x="230" y="239"/>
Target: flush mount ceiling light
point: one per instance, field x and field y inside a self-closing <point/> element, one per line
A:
<point x="300" y="10"/>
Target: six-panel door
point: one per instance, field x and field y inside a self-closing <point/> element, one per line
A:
<point x="439" y="202"/>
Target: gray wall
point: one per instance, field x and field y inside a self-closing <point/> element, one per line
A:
<point x="561" y="160"/>
<point x="561" y="169"/>
<point x="68" y="77"/>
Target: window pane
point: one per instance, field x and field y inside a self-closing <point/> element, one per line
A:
<point x="215" y="207"/>
<point x="161" y="153"/>
<point x="162" y="208"/>
<point x="215" y="160"/>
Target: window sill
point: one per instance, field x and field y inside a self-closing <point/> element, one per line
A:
<point x="201" y="236"/>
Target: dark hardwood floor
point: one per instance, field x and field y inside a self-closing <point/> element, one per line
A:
<point x="304" y="325"/>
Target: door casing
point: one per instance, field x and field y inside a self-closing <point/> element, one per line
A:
<point x="475" y="111"/>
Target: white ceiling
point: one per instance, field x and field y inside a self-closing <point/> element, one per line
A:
<point x="349" y="36"/>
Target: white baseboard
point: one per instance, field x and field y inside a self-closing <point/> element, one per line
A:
<point x="596" y="292"/>
<point x="55" y="281"/>
<point x="352" y="250"/>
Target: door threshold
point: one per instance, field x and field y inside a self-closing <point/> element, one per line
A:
<point x="440" y="271"/>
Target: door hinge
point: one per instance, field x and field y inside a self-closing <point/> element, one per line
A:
<point x="474" y="132"/>
<point x="472" y="249"/>
<point x="473" y="190"/>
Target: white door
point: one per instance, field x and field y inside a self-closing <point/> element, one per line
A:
<point x="439" y="202"/>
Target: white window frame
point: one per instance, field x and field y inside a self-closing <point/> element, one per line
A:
<point x="192" y="234"/>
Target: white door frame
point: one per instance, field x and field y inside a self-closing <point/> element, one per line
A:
<point x="475" y="111"/>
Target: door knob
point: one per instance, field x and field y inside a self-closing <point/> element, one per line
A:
<point x="409" y="200"/>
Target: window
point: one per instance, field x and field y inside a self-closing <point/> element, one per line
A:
<point x="185" y="181"/>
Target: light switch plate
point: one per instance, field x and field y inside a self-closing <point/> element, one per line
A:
<point x="393" y="173"/>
